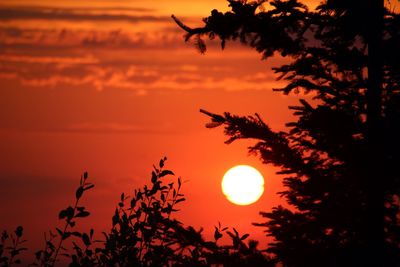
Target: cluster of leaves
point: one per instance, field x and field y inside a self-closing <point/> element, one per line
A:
<point x="143" y="233"/>
<point x="9" y="252"/>
<point x="340" y="158"/>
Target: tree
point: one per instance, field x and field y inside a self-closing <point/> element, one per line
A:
<point x="339" y="159"/>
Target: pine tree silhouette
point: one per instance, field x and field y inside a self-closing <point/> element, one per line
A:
<point x="339" y="158"/>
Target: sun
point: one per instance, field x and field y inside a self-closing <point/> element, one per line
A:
<point x="243" y="185"/>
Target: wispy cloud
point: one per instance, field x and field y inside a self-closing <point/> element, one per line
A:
<point x="8" y="13"/>
<point x="140" y="59"/>
<point x="14" y="38"/>
<point x="138" y="78"/>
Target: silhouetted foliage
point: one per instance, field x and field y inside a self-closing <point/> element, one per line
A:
<point x="340" y="158"/>
<point x="14" y="249"/>
<point x="143" y="233"/>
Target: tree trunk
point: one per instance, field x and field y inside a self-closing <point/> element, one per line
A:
<point x="375" y="189"/>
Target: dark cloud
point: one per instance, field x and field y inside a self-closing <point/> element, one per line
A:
<point x="12" y="37"/>
<point x="69" y="14"/>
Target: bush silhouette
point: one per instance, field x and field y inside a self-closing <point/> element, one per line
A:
<point x="143" y="233"/>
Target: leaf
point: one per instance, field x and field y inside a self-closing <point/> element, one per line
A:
<point x="38" y="254"/>
<point x="19" y="231"/>
<point x="133" y="203"/>
<point x="153" y="177"/>
<point x="236" y="232"/>
<point x="244" y="236"/>
<point x="179" y="200"/>
<point x="79" y="192"/>
<point x="76" y="234"/>
<point x="66" y="235"/>
<point x="86" y="239"/>
<point x="200" y="44"/>
<point x="230" y="234"/>
<point x="213" y="124"/>
<point x="70" y="213"/>
<point x="217" y="234"/>
<point x="165" y="173"/>
<point x="62" y="214"/>
<point x="88" y="186"/>
<point x="115" y="218"/>
<point x="59" y="231"/>
<point x="161" y="163"/>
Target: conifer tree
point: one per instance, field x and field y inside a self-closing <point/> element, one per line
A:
<point x="339" y="158"/>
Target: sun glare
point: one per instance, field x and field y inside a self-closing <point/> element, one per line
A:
<point x="243" y="185"/>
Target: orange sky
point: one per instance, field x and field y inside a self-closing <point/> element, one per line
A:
<point x="110" y="87"/>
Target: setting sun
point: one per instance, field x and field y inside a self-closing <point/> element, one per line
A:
<point x="243" y="185"/>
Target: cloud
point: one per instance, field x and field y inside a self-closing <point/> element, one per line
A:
<point x="141" y="72"/>
<point x="88" y="59"/>
<point x="140" y="59"/>
<point x="8" y="13"/>
<point x="17" y="38"/>
<point x="144" y="79"/>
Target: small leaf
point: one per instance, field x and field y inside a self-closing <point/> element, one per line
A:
<point x="179" y="200"/>
<point x="133" y="202"/>
<point x="4" y="236"/>
<point x="217" y="234"/>
<point x="62" y="214"/>
<point x="115" y="218"/>
<point x="86" y="239"/>
<point x="59" y="231"/>
<point x="153" y="177"/>
<point x="38" y="254"/>
<point x="79" y="192"/>
<point x="166" y="172"/>
<point x="244" y="236"/>
<point x="19" y="231"/>
<point x="236" y="232"/>
<point x="76" y="234"/>
<point x="88" y="186"/>
<point x="70" y="213"/>
<point x="66" y="235"/>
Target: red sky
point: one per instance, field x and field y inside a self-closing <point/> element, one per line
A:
<point x="110" y="87"/>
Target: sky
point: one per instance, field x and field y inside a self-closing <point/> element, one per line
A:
<point x="110" y="87"/>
